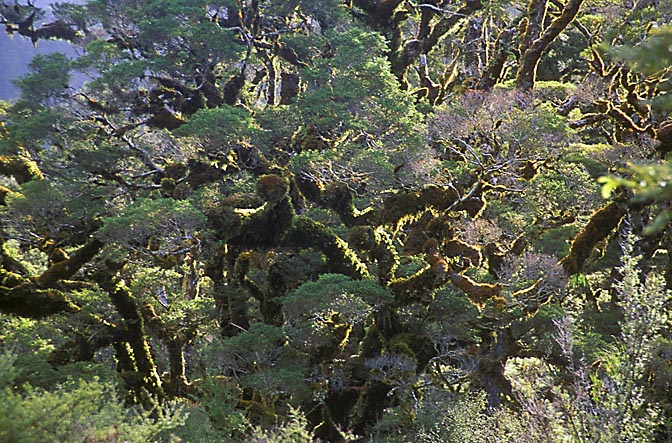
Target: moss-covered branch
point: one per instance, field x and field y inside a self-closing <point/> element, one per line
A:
<point x="68" y="267"/>
<point x="175" y="339"/>
<point x="478" y="293"/>
<point x="340" y="258"/>
<point x="600" y="225"/>
<point x="495" y="66"/>
<point x="419" y="287"/>
<point x="448" y="22"/>
<point x="23" y="169"/>
<point x="259" y="227"/>
<point x="230" y="300"/>
<point x="378" y="244"/>
<point x="146" y="376"/>
<point x="26" y="300"/>
<point x="527" y="70"/>
<point x="85" y="343"/>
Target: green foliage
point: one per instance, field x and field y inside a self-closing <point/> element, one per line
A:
<point x="53" y="211"/>
<point x="594" y="167"/>
<point x="75" y="412"/>
<point x="648" y="183"/>
<point x="175" y="221"/>
<point x="570" y="189"/>
<point x="651" y="57"/>
<point x="50" y="78"/>
<point x="624" y="412"/>
<point x="219" y="405"/>
<point x="319" y="313"/>
<point x="31" y="127"/>
<point x="269" y="366"/>
<point x="206" y="152"/>
<point x="451" y="418"/>
<point x="556" y="241"/>
<point x="607" y="401"/>
<point x="295" y="430"/>
<point x="219" y="127"/>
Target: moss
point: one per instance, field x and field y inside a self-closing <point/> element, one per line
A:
<point x="416" y="234"/>
<point x="478" y="293"/>
<point x="500" y="303"/>
<point x="28" y="301"/>
<point x="400" y="206"/>
<point x="341" y="259"/>
<point x="308" y="138"/>
<point x="399" y="344"/>
<point x="4" y="192"/>
<point x="551" y="90"/>
<point x="472" y="206"/>
<point x="310" y="188"/>
<point x="494" y="256"/>
<point x="417" y="346"/>
<point x="419" y="287"/>
<point x="168" y="184"/>
<point x="67" y="268"/>
<point x="272" y="188"/>
<point x="23" y="169"/>
<point x="440" y="227"/>
<point x="201" y="173"/>
<point x="458" y="248"/>
<point x="386" y="255"/>
<point x="601" y="223"/>
<point x="261" y="226"/>
<point x="529" y="170"/>
<point x="175" y="171"/>
<point x="9" y="279"/>
<point x="362" y="237"/>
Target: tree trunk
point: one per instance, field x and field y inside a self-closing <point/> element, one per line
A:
<point x="531" y="55"/>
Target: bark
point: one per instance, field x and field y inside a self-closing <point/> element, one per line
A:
<point x="495" y="67"/>
<point x="525" y="77"/>
<point x="447" y="23"/>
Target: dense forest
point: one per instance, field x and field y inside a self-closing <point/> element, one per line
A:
<point x="338" y="221"/>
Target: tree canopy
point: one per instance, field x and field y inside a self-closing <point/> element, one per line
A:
<point x="353" y="220"/>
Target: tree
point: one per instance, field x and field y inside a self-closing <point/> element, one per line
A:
<point x="309" y="205"/>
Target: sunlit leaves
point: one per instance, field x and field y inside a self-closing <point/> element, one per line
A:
<point x="319" y="312"/>
<point x="220" y="127"/>
<point x="164" y="220"/>
<point x="649" y="183"/>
